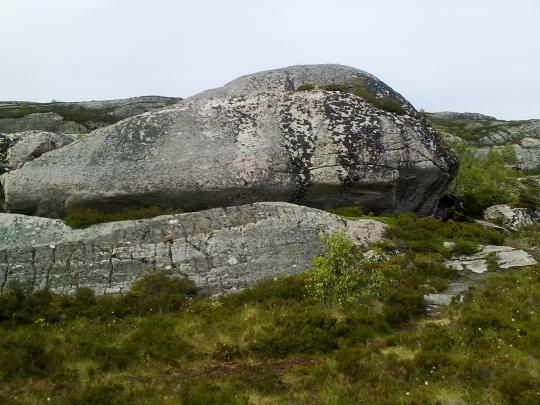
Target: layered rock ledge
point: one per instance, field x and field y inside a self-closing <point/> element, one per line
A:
<point x="223" y="249"/>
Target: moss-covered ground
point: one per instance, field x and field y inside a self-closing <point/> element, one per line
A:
<point x="163" y="343"/>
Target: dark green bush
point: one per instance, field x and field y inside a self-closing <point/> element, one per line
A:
<point x="271" y="291"/>
<point x="305" y="87"/>
<point x="335" y="87"/>
<point x="355" y="362"/>
<point x="157" y="293"/>
<point x="152" y="294"/>
<point x="401" y="304"/>
<point x="309" y="333"/>
<point x="389" y="104"/>
<point x="24" y="356"/>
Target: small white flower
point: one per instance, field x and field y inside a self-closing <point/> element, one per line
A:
<point x="426" y="383"/>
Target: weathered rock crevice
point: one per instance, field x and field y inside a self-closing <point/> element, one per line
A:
<point x="243" y="244"/>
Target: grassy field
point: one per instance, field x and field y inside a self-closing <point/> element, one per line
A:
<point x="278" y="343"/>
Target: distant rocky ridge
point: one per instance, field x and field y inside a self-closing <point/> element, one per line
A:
<point x="486" y="133"/>
<point x="74" y="117"/>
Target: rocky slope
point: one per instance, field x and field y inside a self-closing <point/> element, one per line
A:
<point x="222" y="250"/>
<point x="255" y="139"/>
<point x="75" y="117"/>
<point x="486" y="133"/>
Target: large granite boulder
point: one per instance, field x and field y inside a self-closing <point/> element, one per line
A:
<point x="255" y="139"/>
<point x="223" y="249"/>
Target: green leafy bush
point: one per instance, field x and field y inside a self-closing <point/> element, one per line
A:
<point x="337" y="275"/>
<point x="157" y="293"/>
<point x="484" y="181"/>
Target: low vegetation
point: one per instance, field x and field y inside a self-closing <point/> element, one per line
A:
<point x="69" y="111"/>
<point x="470" y="130"/>
<point x="357" y="87"/>
<point x="302" y="339"/>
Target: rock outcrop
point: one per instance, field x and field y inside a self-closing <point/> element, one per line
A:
<point x="46" y="121"/>
<point x="505" y="257"/>
<point x="512" y="218"/>
<point x="488" y="133"/>
<point x="19" y="148"/>
<point x="255" y="139"/>
<point x="222" y="249"/>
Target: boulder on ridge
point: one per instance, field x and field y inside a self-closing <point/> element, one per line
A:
<point x="255" y="139"/>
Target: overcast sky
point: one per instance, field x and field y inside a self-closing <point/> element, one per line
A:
<point x="470" y="55"/>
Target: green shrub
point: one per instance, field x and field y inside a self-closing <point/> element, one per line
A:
<point x="305" y="87"/>
<point x="355" y="362"/>
<point x="347" y="212"/>
<point x="30" y="355"/>
<point x="271" y="291"/>
<point x="335" y="87"/>
<point x="484" y="181"/>
<point x="157" y="293"/>
<point x="336" y="275"/>
<point x="402" y="303"/>
<point x="389" y="104"/>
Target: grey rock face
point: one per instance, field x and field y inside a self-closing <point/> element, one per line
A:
<point x="252" y="140"/>
<point x="513" y="218"/>
<point x="19" y="148"/>
<point x="222" y="249"/>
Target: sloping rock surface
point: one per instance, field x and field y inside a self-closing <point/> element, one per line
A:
<point x="252" y="140"/>
<point x="222" y="249"/>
